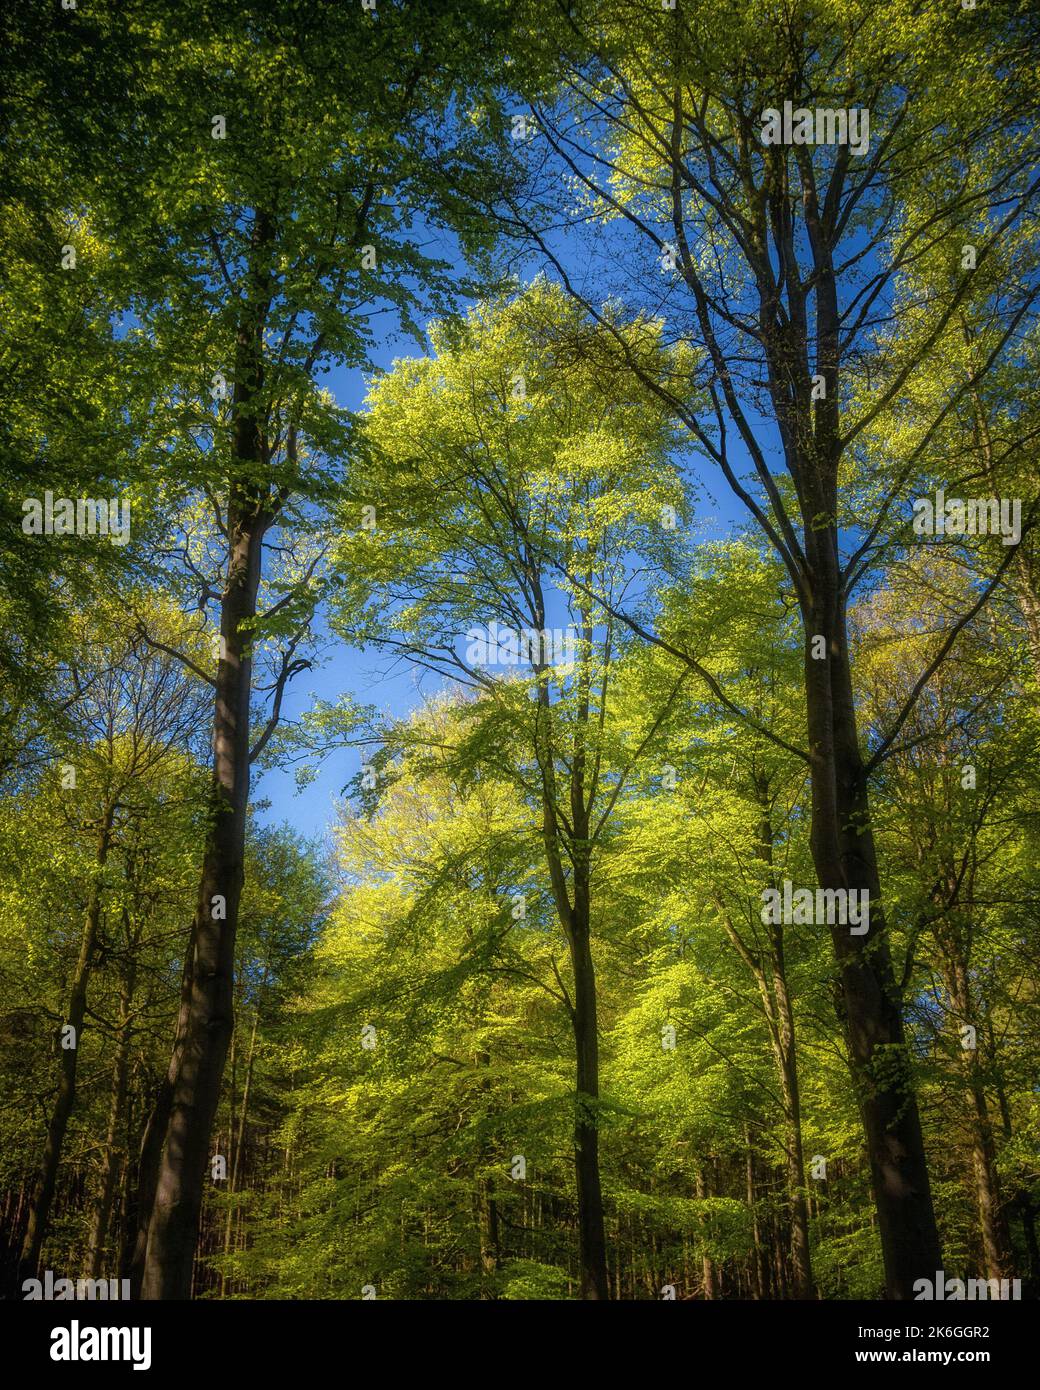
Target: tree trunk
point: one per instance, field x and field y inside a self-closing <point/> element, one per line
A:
<point x="996" y="1241"/>
<point x="490" y="1240"/>
<point x="592" y="1245"/>
<point x="113" y="1155"/>
<point x="237" y="1141"/>
<point x="776" y="999"/>
<point x="845" y="858"/>
<point x="842" y="837"/>
<point x="711" y="1287"/>
<point x="195" y="1085"/>
<point x="575" y="918"/>
<point x="44" y="1194"/>
<point x="993" y="1227"/>
<point x="155" y="1132"/>
<point x="801" y="1261"/>
<point x="197" y="1067"/>
<point x="758" y="1280"/>
<point x="488" y="1231"/>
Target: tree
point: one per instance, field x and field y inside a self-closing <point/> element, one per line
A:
<point x="793" y="263"/>
<point x="727" y="831"/>
<point x="259" y="241"/>
<point x="504" y="465"/>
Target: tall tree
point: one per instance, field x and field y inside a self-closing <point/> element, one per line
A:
<point x="786" y="254"/>
<point x="519" y="464"/>
<point x="286" y="169"/>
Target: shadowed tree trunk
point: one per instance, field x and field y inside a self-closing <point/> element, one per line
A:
<point x="953" y="934"/>
<point x="996" y="1241"/>
<point x="708" y="1275"/>
<point x="117" y="1107"/>
<point x="199" y="1068"/>
<point x="591" y="1236"/>
<point x="155" y="1132"/>
<point x="197" y="1065"/>
<point x="66" y="1097"/>
<point x="845" y="858"/>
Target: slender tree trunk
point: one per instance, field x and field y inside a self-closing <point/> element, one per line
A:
<point x="776" y="998"/>
<point x="44" y="1193"/>
<point x="247" y="1089"/>
<point x="996" y="1240"/>
<point x="801" y="1262"/>
<point x="591" y="1236"/>
<point x="757" y="1268"/>
<point x="238" y="1140"/>
<point x="155" y="1131"/>
<point x="489" y="1235"/>
<point x="113" y="1152"/>
<point x="993" y="1227"/>
<point x="779" y="1263"/>
<point x="1019" y="1201"/>
<point x="490" y="1239"/>
<point x="710" y="1281"/>
<point x="575" y="918"/>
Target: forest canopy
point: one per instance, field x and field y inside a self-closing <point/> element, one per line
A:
<point x="520" y="596"/>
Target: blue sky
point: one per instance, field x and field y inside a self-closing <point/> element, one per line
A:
<point x="391" y="685"/>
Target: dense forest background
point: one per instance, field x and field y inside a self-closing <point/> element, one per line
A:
<point x="517" y="443"/>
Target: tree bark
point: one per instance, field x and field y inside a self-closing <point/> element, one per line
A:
<point x="113" y="1154"/>
<point x="592" y="1243"/>
<point x="574" y="911"/>
<point x="708" y="1275"/>
<point x="237" y="1140"/>
<point x="776" y="999"/>
<point x="842" y="837"/>
<point x="954" y="938"/>
<point x="996" y="1240"/>
<point x="758" y="1268"/>
<point x="845" y="858"/>
<point x="44" y="1193"/>
<point x="801" y="1261"/>
<point x="155" y="1132"/>
<point x="195" y="1086"/>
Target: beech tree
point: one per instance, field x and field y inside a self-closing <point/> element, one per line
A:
<point x="262" y="238"/>
<point x="507" y="464"/>
<point x="822" y="274"/>
<point x="622" y="415"/>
